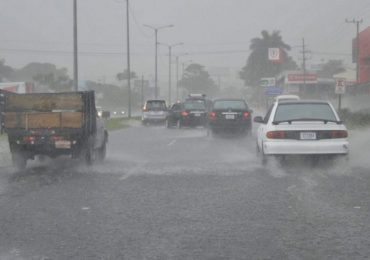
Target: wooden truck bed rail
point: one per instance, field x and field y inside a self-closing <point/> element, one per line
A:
<point x="37" y="120"/>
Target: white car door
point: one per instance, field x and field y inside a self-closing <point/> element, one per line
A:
<point x="262" y="129"/>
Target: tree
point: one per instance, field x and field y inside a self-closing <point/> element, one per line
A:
<point x="331" y="68"/>
<point x="197" y="80"/>
<point x="6" y="72"/>
<point x="259" y="66"/>
<point x="57" y="83"/>
<point x="124" y="75"/>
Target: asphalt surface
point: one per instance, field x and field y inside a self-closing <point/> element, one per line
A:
<point x="180" y="194"/>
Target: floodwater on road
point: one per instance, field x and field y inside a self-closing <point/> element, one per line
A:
<point x="182" y="194"/>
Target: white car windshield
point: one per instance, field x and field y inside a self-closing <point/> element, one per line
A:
<point x="294" y="111"/>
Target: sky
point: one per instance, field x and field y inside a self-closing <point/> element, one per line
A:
<point x="215" y="33"/>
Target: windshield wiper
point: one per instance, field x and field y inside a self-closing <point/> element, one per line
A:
<point x="306" y="119"/>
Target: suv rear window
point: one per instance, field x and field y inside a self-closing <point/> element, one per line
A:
<point x="195" y="104"/>
<point x="229" y="104"/>
<point x="155" y="105"/>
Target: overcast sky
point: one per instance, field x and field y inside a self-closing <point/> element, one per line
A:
<point x="214" y="32"/>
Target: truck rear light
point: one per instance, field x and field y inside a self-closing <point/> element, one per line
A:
<point x="184" y="113"/>
<point x="212" y="115"/>
<point x="339" y="134"/>
<point x="56" y="138"/>
<point x="276" y="134"/>
<point x="29" y="138"/>
<point x="246" y="115"/>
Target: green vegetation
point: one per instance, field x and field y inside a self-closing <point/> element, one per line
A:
<point x="356" y="119"/>
<point x="119" y="123"/>
<point x="3" y="137"/>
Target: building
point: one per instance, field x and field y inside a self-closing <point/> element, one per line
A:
<point x="364" y="56"/>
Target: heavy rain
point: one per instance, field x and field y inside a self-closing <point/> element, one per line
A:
<point x="186" y="129"/>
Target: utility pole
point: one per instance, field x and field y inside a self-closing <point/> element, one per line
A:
<point x="304" y="59"/>
<point x="156" y="54"/>
<point x="177" y="78"/>
<point x="128" y="58"/>
<point x="169" y="74"/>
<point x="177" y="75"/>
<point x="357" y="22"/>
<point x="142" y="90"/>
<point x="75" y="50"/>
<point x="170" y="46"/>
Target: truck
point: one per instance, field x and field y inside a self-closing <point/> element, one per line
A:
<point x="53" y="124"/>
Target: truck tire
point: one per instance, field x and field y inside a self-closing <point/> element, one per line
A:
<point x="19" y="160"/>
<point x="88" y="153"/>
<point x="102" y="152"/>
<point x="179" y="124"/>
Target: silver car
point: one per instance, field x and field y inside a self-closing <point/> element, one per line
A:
<point x="154" y="111"/>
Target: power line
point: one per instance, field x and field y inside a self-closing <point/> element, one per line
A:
<point x="138" y="26"/>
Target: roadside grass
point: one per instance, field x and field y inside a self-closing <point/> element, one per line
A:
<point x="355" y="120"/>
<point x="120" y="123"/>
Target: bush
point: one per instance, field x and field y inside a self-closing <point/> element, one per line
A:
<point x="355" y="119"/>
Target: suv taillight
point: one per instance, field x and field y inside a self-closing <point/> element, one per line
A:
<point x="184" y="113"/>
<point x="246" y="115"/>
<point x="212" y="115"/>
<point x="29" y="138"/>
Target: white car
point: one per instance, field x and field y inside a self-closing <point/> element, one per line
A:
<point x="286" y="98"/>
<point x="301" y="128"/>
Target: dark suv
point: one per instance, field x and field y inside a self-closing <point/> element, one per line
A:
<point x="191" y="113"/>
<point x="230" y="115"/>
<point x="154" y="111"/>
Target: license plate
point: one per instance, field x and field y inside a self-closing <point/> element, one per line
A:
<point x="308" y="136"/>
<point x="229" y="116"/>
<point x="197" y="114"/>
<point x="63" y="144"/>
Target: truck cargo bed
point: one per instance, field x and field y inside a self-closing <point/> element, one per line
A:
<point x="37" y="120"/>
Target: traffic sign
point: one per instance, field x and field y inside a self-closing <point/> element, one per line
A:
<point x="267" y="82"/>
<point x="273" y="91"/>
<point x="274" y="55"/>
<point x="340" y="87"/>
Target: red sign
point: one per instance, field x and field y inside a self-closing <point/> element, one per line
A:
<point x="300" y="78"/>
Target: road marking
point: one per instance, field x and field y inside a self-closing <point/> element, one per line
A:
<point x="172" y="143"/>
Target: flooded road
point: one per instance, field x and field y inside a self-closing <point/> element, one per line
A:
<point x="181" y="194"/>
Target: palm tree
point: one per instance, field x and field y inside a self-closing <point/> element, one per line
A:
<point x="258" y="65"/>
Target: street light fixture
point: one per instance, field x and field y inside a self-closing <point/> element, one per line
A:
<point x="156" y="53"/>
<point x="170" y="46"/>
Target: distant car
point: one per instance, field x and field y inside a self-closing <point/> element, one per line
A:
<point x="174" y="115"/>
<point x="190" y="113"/>
<point x="154" y="111"/>
<point x="286" y="98"/>
<point x="301" y="128"/>
<point x="99" y="111"/>
<point x="230" y="115"/>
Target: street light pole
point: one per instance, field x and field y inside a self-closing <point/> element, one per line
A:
<point x="156" y="54"/>
<point x="75" y="58"/>
<point x="128" y="59"/>
<point x="177" y="78"/>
